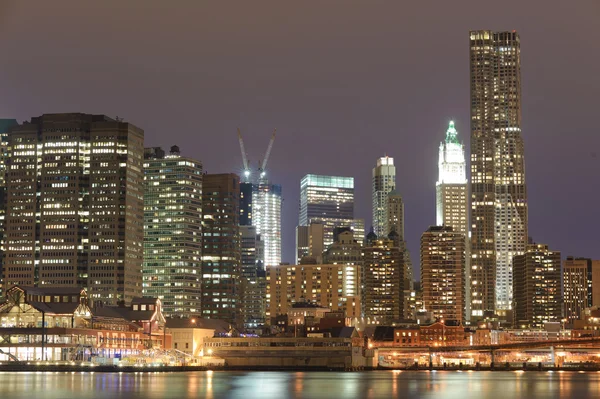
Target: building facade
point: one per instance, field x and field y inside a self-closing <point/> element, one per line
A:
<point x="74" y="186"/>
<point x="172" y="231"/>
<point x="382" y="281"/>
<point x="498" y="190"/>
<point x="266" y="217"/>
<point x="537" y="287"/>
<point x="384" y="181"/>
<point x="5" y="125"/>
<point x="443" y="273"/>
<point x="581" y="286"/>
<point x="221" y="247"/>
<point x="332" y="286"/>
<point x="310" y="242"/>
<point x="452" y="201"/>
<point x="328" y="200"/>
<point x="253" y="283"/>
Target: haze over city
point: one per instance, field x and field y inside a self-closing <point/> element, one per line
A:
<point x="344" y="83"/>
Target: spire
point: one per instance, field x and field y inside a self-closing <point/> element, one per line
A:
<point x="451" y="134"/>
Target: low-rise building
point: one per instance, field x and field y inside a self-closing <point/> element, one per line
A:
<point x="189" y="334"/>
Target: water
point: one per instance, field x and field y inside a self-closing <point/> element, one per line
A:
<point x="265" y="385"/>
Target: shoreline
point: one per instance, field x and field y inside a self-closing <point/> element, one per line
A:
<point x="18" y="367"/>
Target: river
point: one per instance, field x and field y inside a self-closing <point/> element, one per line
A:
<point x="264" y="385"/>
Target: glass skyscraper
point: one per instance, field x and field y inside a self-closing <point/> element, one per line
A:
<point x="328" y="200"/>
<point x="266" y="217"/>
<point x="172" y="231"/>
<point x="384" y="182"/>
<point x="498" y="190"/>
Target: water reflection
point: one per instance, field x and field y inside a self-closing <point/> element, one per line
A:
<point x="248" y="385"/>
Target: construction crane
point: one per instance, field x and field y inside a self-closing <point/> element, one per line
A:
<point x="244" y="156"/>
<point x="262" y="167"/>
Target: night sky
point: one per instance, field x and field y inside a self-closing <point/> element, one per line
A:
<point x="343" y="82"/>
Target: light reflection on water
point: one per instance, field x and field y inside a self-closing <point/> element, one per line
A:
<point x="248" y="385"/>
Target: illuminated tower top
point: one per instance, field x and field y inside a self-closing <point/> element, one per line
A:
<point x="452" y="168"/>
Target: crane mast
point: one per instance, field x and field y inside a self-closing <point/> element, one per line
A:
<point x="244" y="156"/>
<point x="263" y="165"/>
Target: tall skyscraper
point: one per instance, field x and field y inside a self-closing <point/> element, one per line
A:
<point x="266" y="217"/>
<point x="452" y="198"/>
<point x="581" y="286"/>
<point x="395" y="214"/>
<point x="246" y="193"/>
<point x="384" y="181"/>
<point x="75" y="193"/>
<point x="498" y="190"/>
<point x="253" y="284"/>
<point x="537" y="288"/>
<point x="383" y="280"/>
<point x="328" y="200"/>
<point x="221" y="249"/>
<point x="172" y="231"/>
<point x="5" y="125"/>
<point x="443" y="272"/>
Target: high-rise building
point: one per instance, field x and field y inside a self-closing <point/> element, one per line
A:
<point x="452" y="198"/>
<point x="309" y="242"/>
<point x="266" y="217"/>
<point x="537" y="287"/>
<point x="382" y="280"/>
<point x="221" y="249"/>
<point x="395" y="214"/>
<point x="331" y="286"/>
<point x="172" y="231"/>
<point x="328" y="200"/>
<point x="246" y="193"/>
<point x="74" y="189"/>
<point x="443" y="273"/>
<point x="358" y="228"/>
<point x="498" y="190"/>
<point x="5" y="125"/>
<point x="384" y="181"/>
<point x="581" y="286"/>
<point x="253" y="283"/>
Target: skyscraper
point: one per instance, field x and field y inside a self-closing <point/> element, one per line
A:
<point x="384" y="181"/>
<point x="5" y="125"/>
<point x="452" y="201"/>
<point x="581" y="286"/>
<point x="221" y="250"/>
<point x="172" y="231"/>
<point x="498" y="190"/>
<point x="442" y="272"/>
<point x="309" y="242"/>
<point x="383" y="280"/>
<point x="75" y="190"/>
<point x="395" y="214"/>
<point x="266" y="217"/>
<point x="537" y="288"/>
<point x="328" y="200"/>
<point x="252" y="282"/>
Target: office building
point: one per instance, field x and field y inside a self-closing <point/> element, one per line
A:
<point x="581" y="286"/>
<point x="383" y="280"/>
<point x="221" y="247"/>
<point x="498" y="190"/>
<point x="253" y="283"/>
<point x="537" y="287"/>
<point x="443" y="273"/>
<point x="358" y="228"/>
<point x="246" y="192"/>
<point x="331" y="286"/>
<point x="172" y="231"/>
<point x="328" y="200"/>
<point x="452" y="201"/>
<point x="5" y="125"/>
<point x="384" y="181"/>
<point x="266" y="217"/>
<point x="395" y="214"/>
<point x="310" y="242"/>
<point x="74" y="184"/>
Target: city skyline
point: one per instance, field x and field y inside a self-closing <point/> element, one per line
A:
<point x="330" y="113"/>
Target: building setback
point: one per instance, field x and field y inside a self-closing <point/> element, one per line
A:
<point x="328" y="200"/>
<point x="75" y="197"/>
<point x="498" y="190"/>
<point x="537" y="287"/>
<point x="581" y="286"/>
<point x="172" y="231"/>
<point x="221" y="252"/>
<point x="442" y="273"/>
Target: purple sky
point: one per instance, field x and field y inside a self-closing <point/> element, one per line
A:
<point x="343" y="82"/>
